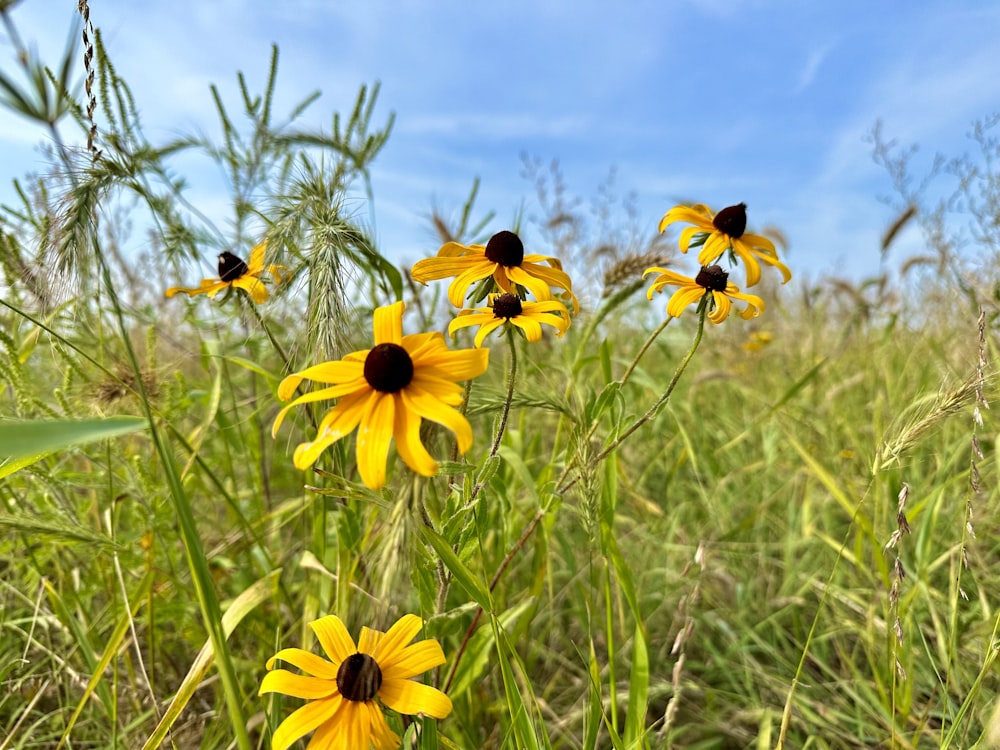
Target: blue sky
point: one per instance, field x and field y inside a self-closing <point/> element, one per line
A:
<point x="719" y="101"/>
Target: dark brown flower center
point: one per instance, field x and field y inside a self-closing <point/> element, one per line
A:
<point x="732" y="220"/>
<point x="359" y="678"/>
<point x="231" y="267"/>
<point x="505" y="248"/>
<point x="388" y="368"/>
<point x="712" y="277"/>
<point x="507" y="306"/>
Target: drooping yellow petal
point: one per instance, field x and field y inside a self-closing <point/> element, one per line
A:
<point x="388" y="327"/>
<point x="409" y="697"/>
<point x="334" y="638"/>
<point x="297" y="685"/>
<point x="323" y="394"/>
<point x="429" y="407"/>
<point x="686" y="295"/>
<point x="442" y="267"/>
<point x="374" y="436"/>
<point x="486" y="329"/>
<point x="452" y="364"/>
<point x="532" y="328"/>
<point x="211" y="287"/>
<point x="689" y="215"/>
<point x="406" y="430"/>
<point x="252" y="286"/>
<point x="383" y="738"/>
<point x="466" y="318"/>
<point x="340" y="421"/>
<point x="306" y="661"/>
<point x="476" y="270"/>
<point x="304" y="720"/>
<point x="722" y="307"/>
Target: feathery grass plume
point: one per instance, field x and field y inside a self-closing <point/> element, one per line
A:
<point x="921" y="417"/>
<point x="898" y="573"/>
<point x="626" y="270"/>
<point x="83" y="8"/>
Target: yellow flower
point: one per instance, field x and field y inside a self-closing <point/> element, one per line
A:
<point x="709" y="281"/>
<point x="387" y="390"/>
<point x="341" y="692"/>
<point x="724" y="231"/>
<point x="509" y="308"/>
<point x="757" y="340"/>
<point x="233" y="272"/>
<point x="502" y="258"/>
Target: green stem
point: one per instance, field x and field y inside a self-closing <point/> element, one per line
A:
<point x="655" y="408"/>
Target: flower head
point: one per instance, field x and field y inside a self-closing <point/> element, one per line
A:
<point x="342" y="689"/>
<point x="233" y="272"/>
<point x="509" y="308"/>
<point x="387" y="390"/>
<point x="711" y="281"/>
<point x="504" y="259"/>
<point x="724" y="231"/>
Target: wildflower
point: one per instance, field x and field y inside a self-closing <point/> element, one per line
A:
<point x="502" y="257"/>
<point x="724" y="231"/>
<point x="710" y="281"/>
<point x="387" y="390"/>
<point x="509" y="308"/>
<point x="342" y="690"/>
<point x="233" y="272"/>
<point x="757" y="340"/>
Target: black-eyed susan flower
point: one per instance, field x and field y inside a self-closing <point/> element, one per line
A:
<point x="234" y="272"/>
<point x="722" y="232"/>
<point x="504" y="259"/>
<point x="342" y="690"/>
<point x="385" y="392"/>
<point x="711" y="282"/>
<point x="509" y="308"/>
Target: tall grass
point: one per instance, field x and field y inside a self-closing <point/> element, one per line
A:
<point x="796" y="549"/>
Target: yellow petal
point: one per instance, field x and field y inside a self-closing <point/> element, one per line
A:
<point x="722" y="307"/>
<point x="340" y="421"/>
<point x="256" y="263"/>
<point x="211" y="287"/>
<point x="476" y="270"/>
<point x="297" y="685"/>
<point x="388" y="326"/>
<point x="336" y="391"/>
<point x="682" y="298"/>
<point x="429" y="407"/>
<point x="368" y="640"/>
<point x="415" y="659"/>
<point x="687" y="214"/>
<point x="406" y="430"/>
<point x="452" y="364"/>
<point x="374" y="436"/>
<point x="443" y="267"/>
<point x="486" y="329"/>
<point x="334" y="638"/>
<point x="532" y="328"/>
<point x="304" y="720"/>
<point x="335" y="371"/>
<point x="252" y="286"/>
<point x="306" y="661"/>
<point x="468" y="318"/>
<point x="403" y="631"/>
<point x="408" y="697"/>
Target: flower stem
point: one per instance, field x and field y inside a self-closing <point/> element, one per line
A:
<point x="655" y="408"/>
<point x="504" y="414"/>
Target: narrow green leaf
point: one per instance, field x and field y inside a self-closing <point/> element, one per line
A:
<point x="37" y="438"/>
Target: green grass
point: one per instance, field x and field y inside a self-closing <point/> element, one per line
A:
<point x="720" y="580"/>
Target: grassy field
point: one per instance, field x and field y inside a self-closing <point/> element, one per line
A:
<point x="777" y="532"/>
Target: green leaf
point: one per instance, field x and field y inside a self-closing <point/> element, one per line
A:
<point x="23" y="443"/>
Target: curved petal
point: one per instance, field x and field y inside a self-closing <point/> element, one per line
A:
<point x="324" y="394"/>
<point x="211" y="287"/>
<point x="688" y="214"/>
<point x="335" y="371"/>
<point x="760" y="242"/>
<point x="687" y="237"/>
<point x="429" y="407"/>
<point x="415" y="659"/>
<point x="722" y="307"/>
<point x="388" y="325"/>
<point x="333" y="637"/>
<point x="256" y="262"/>
<point x="455" y="365"/>
<point x="383" y="738"/>
<point x="466" y="318"/>
<point x="455" y="250"/>
<point x="409" y="697"/>
<point x="304" y="720"/>
<point x="531" y="327"/>
<point x="297" y="685"/>
<point x="340" y="421"/>
<point x="416" y="344"/>
<point x="486" y="329"/>
<point x="306" y="661"/>
<point x="374" y="436"/>
<point x="476" y="269"/>
<point x="714" y="248"/>
<point x="445" y="391"/>
<point x="752" y="266"/>
<point x="558" y="322"/>
<point x="410" y="448"/>
<point x="252" y="286"/>
<point x="683" y="297"/>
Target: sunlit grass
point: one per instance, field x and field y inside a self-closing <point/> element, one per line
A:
<point x="728" y="570"/>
